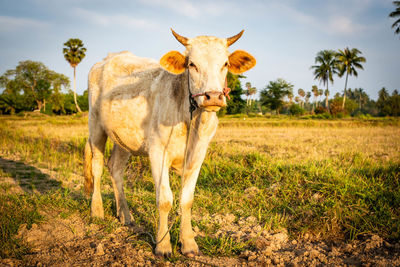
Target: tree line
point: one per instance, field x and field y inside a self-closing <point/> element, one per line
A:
<point x="278" y="98"/>
<point x="279" y="95"/>
<point x="32" y="86"/>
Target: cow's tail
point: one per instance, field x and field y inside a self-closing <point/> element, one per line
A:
<point x="87" y="169"/>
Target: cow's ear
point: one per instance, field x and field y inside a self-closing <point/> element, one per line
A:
<point x="240" y="61"/>
<point x="173" y="62"/>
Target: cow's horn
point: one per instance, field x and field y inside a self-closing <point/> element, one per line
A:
<point x="181" y="39"/>
<point x="233" y="39"/>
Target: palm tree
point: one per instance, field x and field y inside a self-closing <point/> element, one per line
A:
<point x="252" y="93"/>
<point x="297" y="100"/>
<point x="247" y="92"/>
<point x="362" y="97"/>
<point x="314" y="90"/>
<point x="395" y="14"/>
<point x="301" y="94"/>
<point x="290" y="96"/>
<point x="326" y="67"/>
<point x="308" y="96"/>
<point x="74" y="52"/>
<point x="320" y="92"/>
<point x="349" y="60"/>
<point x="326" y="99"/>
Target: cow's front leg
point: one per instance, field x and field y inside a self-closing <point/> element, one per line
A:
<point x="159" y="168"/>
<point x="189" y="245"/>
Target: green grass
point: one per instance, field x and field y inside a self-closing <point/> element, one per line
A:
<point x="338" y="179"/>
<point x="14" y="211"/>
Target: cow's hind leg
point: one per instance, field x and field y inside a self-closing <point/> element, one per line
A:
<point x="159" y="169"/>
<point x="97" y="142"/>
<point x="116" y="164"/>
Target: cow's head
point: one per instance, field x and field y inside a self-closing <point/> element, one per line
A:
<point x="208" y="61"/>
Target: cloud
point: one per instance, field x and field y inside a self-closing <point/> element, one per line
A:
<point x="343" y="26"/>
<point x="120" y="20"/>
<point x="190" y="9"/>
<point x="329" y="20"/>
<point x="12" y="24"/>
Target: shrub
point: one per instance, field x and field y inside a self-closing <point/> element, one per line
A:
<point x="320" y="110"/>
<point x="336" y="106"/>
<point x="221" y="113"/>
<point x="296" y="110"/>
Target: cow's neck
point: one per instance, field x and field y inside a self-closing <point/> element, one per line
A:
<point x="201" y="120"/>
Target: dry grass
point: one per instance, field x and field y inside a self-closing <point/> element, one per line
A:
<point x="334" y="179"/>
<point x="303" y="144"/>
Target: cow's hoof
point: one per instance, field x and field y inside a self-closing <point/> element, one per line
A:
<point x="163" y="255"/>
<point x="163" y="250"/>
<point x="191" y="254"/>
<point x="190" y="248"/>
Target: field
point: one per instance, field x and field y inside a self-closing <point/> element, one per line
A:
<point x="271" y="191"/>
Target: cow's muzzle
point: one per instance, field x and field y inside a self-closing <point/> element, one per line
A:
<point x="212" y="101"/>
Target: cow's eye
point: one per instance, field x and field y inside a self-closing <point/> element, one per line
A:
<point x="225" y="66"/>
<point x="192" y="65"/>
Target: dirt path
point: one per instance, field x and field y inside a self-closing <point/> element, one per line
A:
<point x="71" y="241"/>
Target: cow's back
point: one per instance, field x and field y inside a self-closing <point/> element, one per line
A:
<point x="130" y="97"/>
<point x="117" y="69"/>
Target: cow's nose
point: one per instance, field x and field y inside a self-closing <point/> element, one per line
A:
<point x="214" y="99"/>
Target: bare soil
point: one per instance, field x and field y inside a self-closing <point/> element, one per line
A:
<point x="71" y="241"/>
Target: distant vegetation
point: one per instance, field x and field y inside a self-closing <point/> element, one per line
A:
<point x="31" y="86"/>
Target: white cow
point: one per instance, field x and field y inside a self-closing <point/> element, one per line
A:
<point x="143" y="107"/>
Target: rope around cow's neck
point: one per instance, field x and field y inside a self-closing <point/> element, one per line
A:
<point x="192" y="102"/>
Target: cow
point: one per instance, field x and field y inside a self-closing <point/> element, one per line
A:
<point x="165" y="110"/>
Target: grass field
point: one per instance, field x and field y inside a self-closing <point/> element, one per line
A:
<point x="331" y="179"/>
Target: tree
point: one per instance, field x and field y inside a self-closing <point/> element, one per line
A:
<point x="35" y="80"/>
<point x="388" y="105"/>
<point x="290" y="96"/>
<point x="396" y="14"/>
<point x="74" y="52"/>
<point x="361" y="97"/>
<point x="297" y="100"/>
<point x="301" y="94"/>
<point x="315" y="92"/>
<point x="247" y="92"/>
<point x="336" y="106"/>
<point x="57" y="99"/>
<point x="274" y="93"/>
<point x="252" y="92"/>
<point x="326" y="98"/>
<point x="383" y="102"/>
<point x="326" y="67"/>
<point x="296" y="110"/>
<point x="236" y="104"/>
<point x="394" y="102"/>
<point x="349" y="60"/>
<point x="320" y="93"/>
<point x="308" y="96"/>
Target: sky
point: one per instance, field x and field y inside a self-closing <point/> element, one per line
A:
<point x="283" y="35"/>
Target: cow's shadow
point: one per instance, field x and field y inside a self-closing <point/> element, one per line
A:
<point x="30" y="179"/>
